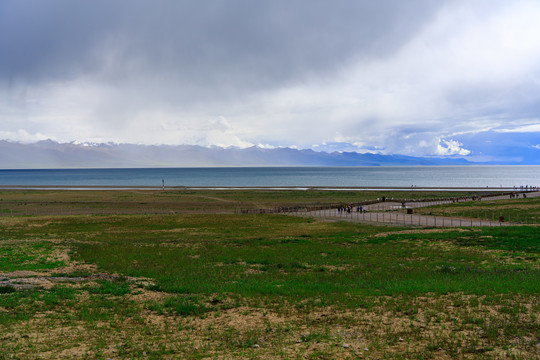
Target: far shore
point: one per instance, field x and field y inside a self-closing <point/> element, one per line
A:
<point x="323" y="188"/>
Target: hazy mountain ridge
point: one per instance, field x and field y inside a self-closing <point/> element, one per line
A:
<point x="50" y="154"/>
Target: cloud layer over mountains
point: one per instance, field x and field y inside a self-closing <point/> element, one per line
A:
<point x="422" y="78"/>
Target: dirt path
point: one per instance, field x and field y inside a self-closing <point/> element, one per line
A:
<point x="382" y="213"/>
<point x="401" y="218"/>
<point x="389" y="205"/>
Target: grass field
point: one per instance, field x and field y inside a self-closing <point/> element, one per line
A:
<point x="224" y="286"/>
<point x="59" y="202"/>
<point x="523" y="210"/>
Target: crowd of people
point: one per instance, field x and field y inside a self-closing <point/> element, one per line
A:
<point x="350" y="208"/>
<point x="526" y="188"/>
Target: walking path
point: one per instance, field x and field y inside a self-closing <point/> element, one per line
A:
<point x="381" y="213"/>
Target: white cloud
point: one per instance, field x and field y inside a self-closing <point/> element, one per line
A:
<point x="443" y="82"/>
<point x="451" y="147"/>
<point x="532" y="128"/>
<point x="473" y="68"/>
<point x="23" y="136"/>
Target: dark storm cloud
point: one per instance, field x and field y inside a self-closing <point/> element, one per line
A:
<point x="224" y="44"/>
<point x="405" y="77"/>
<point x="50" y="39"/>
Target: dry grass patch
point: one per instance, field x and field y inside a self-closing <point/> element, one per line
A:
<point x="449" y="326"/>
<point x="422" y="231"/>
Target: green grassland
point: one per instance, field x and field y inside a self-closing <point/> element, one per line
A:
<point x="222" y="285"/>
<point x="522" y="210"/>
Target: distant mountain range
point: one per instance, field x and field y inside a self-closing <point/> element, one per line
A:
<point x="50" y="154"/>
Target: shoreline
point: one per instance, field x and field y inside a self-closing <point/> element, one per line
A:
<point x="279" y="188"/>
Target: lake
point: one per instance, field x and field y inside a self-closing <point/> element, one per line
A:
<point x="364" y="176"/>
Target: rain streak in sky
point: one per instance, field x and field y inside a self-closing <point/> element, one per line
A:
<point x="422" y="78"/>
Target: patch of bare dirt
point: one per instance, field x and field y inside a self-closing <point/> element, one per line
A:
<point x="77" y="267"/>
<point x="336" y="268"/>
<point x="46" y="279"/>
<point x="421" y="231"/>
<point x="143" y="295"/>
<point x="176" y="230"/>
<point x="253" y="271"/>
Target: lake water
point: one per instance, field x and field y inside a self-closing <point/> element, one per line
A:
<point x="388" y="176"/>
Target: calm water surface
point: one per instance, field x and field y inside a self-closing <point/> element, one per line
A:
<point x="428" y="176"/>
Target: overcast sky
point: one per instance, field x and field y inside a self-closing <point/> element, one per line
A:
<point x="423" y="77"/>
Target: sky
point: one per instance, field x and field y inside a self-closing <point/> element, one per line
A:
<point x="422" y="78"/>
